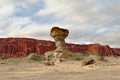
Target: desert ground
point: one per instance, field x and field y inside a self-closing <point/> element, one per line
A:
<point x="24" y="69"/>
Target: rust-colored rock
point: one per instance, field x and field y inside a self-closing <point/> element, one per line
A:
<point x="103" y="50"/>
<point x="21" y="47"/>
<point x="116" y="51"/>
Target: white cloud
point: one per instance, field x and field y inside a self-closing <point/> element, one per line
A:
<point x="11" y="25"/>
<point x="72" y="10"/>
<point x="89" y="21"/>
<point x="34" y="31"/>
<point x="79" y="11"/>
<point x="6" y="9"/>
<point x="24" y="27"/>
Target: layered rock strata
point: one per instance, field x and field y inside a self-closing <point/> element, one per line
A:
<point x="22" y="47"/>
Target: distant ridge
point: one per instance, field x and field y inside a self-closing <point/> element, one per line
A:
<point x="21" y="47"/>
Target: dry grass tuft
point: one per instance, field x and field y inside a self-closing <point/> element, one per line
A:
<point x="35" y="57"/>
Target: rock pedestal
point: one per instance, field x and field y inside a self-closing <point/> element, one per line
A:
<point x="59" y="36"/>
<point x="61" y="51"/>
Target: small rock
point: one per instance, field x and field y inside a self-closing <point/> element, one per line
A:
<point x="49" y="63"/>
<point x="88" y="61"/>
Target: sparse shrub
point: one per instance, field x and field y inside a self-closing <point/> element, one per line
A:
<point x="79" y="56"/>
<point x="35" y="57"/>
<point x="49" y="63"/>
<point x="1" y="58"/>
<point x="96" y="57"/>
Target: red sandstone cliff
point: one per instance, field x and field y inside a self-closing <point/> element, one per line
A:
<point x="21" y="47"/>
<point x="116" y="51"/>
<point x="103" y="50"/>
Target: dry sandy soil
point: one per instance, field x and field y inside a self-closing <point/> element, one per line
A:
<point x="21" y="69"/>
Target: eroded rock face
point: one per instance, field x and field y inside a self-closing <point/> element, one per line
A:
<point x="22" y="47"/>
<point x="103" y="50"/>
<point x="61" y="51"/>
<point x="59" y="36"/>
<point x="116" y="51"/>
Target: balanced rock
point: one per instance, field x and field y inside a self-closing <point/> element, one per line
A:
<point x="59" y="35"/>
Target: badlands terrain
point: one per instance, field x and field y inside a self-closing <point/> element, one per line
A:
<point x="60" y="61"/>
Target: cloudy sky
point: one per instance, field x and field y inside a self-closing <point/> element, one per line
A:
<point x="89" y="21"/>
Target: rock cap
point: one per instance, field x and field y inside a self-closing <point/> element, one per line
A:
<point x="56" y="31"/>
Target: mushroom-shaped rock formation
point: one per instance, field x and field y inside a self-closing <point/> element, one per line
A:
<point x="61" y="51"/>
<point x="59" y="36"/>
